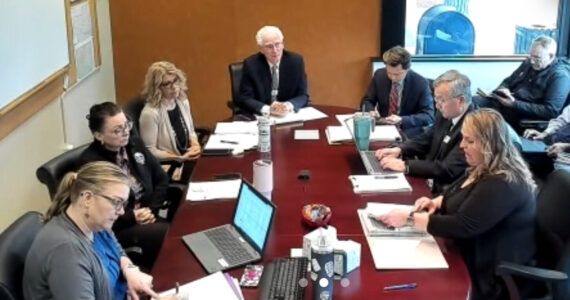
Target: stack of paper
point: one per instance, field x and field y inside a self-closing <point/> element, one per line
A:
<point x="304" y="114"/>
<point x="208" y="190"/>
<point x="236" y="127"/>
<point x="376" y="228"/>
<point x="342" y="134"/>
<point x="412" y="252"/>
<point x="214" y="286"/>
<point x="389" y="183"/>
<point x="242" y="141"/>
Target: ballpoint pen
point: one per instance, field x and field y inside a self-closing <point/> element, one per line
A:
<point x="385" y="177"/>
<point x="397" y="287"/>
<point x="177" y="287"/>
<point x="229" y="142"/>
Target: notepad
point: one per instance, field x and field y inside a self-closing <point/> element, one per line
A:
<point x="306" y="134"/>
<point x="341" y="134"/>
<point x="236" y="127"/>
<point x="208" y="190"/>
<point x="390" y="183"/>
<point x="304" y="114"/>
<point x="376" y="228"/>
<point x="214" y="286"/>
<point x="243" y="141"/>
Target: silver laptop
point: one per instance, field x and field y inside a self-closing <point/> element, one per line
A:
<point x="242" y="242"/>
<point x="369" y="160"/>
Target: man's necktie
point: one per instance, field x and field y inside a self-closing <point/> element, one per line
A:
<point x="393" y="109"/>
<point x="274" y="82"/>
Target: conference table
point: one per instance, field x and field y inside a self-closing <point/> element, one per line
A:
<point x="329" y="168"/>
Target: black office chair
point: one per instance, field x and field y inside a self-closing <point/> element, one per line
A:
<point x="553" y="243"/>
<point x="53" y="171"/>
<point x="235" y="79"/>
<point x="15" y="242"/>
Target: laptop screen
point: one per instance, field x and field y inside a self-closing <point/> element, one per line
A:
<point x="253" y="215"/>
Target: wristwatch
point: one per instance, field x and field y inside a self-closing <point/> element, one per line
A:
<point x="410" y="221"/>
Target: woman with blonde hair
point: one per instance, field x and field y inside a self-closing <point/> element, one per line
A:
<point x="76" y="255"/>
<point x="166" y="122"/>
<point x="489" y="212"/>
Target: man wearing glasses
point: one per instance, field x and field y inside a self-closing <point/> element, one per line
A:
<point x="435" y="154"/>
<point x="273" y="80"/>
<point x="536" y="90"/>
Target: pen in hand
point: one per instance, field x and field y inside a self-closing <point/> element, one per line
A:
<point x="397" y="287"/>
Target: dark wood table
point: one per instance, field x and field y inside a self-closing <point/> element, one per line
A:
<point x="330" y="167"/>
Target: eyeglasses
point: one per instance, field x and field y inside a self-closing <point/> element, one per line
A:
<point x="275" y="46"/>
<point x="122" y="129"/>
<point x="117" y="204"/>
<point x="443" y="100"/>
<point x="535" y="58"/>
<point x="169" y="84"/>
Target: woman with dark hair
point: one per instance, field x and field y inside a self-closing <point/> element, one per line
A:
<point x="113" y="142"/>
<point x="489" y="212"/>
<point x="76" y="255"/>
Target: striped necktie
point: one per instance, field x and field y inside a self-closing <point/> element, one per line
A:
<point x="393" y="108"/>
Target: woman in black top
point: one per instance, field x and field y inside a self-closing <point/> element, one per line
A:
<point x="489" y="212"/>
<point x="140" y="225"/>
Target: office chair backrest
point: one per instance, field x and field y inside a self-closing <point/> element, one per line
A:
<point x="553" y="213"/>
<point x="53" y="171"/>
<point x="133" y="110"/>
<point x="235" y="79"/>
<point x="15" y="243"/>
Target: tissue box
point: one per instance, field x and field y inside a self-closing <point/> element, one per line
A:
<point x="346" y="257"/>
<point x="312" y="236"/>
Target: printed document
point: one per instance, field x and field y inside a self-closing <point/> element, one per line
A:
<point x="208" y="190"/>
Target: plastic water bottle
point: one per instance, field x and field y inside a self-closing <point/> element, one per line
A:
<point x="322" y="267"/>
<point x="264" y="132"/>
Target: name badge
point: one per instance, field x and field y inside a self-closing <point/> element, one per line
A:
<point x="446" y="139"/>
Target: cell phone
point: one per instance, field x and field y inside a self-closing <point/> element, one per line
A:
<point x="217" y="152"/>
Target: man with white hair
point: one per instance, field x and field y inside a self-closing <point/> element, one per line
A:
<point x="273" y="80"/>
<point x="535" y="90"/>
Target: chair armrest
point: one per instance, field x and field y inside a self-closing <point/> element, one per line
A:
<point x="133" y="250"/>
<point x="508" y="269"/>
<point x="533" y="124"/>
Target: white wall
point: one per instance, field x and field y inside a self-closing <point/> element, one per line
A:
<point x="43" y="136"/>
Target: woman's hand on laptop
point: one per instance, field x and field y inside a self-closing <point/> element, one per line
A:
<point x="388" y="152"/>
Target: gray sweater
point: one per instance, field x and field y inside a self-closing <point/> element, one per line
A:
<point x="62" y="264"/>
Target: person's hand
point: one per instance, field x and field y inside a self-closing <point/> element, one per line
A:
<point x="534" y="134"/>
<point x="397" y="217"/>
<point x="144" y="215"/>
<point x="138" y="283"/>
<point x="425" y="204"/>
<point x="388" y="152"/>
<point x="556" y="148"/>
<point x="374" y="114"/>
<point x="278" y="109"/>
<point x="392" y="163"/>
<point x="506" y="98"/>
<point x="393" y="119"/>
<point x="193" y="153"/>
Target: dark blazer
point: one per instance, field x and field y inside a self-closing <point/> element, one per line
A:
<point x="145" y="168"/>
<point x="416" y="105"/>
<point x="490" y="221"/>
<point x="255" y="85"/>
<point x="443" y="161"/>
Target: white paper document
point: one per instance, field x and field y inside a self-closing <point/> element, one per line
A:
<point x="304" y="114"/>
<point x="415" y="252"/>
<point x="208" y="190"/>
<point x="236" y="127"/>
<point x="388" y="183"/>
<point x="213" y="286"/>
<point x="243" y="141"/>
<point x="381" y="133"/>
<point x="301" y="134"/>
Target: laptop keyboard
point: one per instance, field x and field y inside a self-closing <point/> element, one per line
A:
<point x="372" y="161"/>
<point x="232" y="250"/>
<point x="283" y="275"/>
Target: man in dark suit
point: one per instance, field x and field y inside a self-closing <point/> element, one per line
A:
<point x="437" y="150"/>
<point x="400" y="95"/>
<point x="273" y="80"/>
